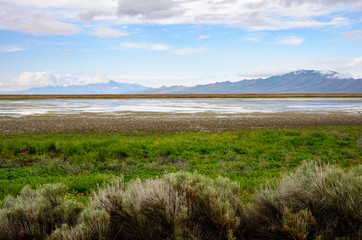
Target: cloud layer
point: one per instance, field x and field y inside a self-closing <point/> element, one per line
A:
<point x="346" y="67"/>
<point x="161" y="47"/>
<point x="187" y="51"/>
<point x="106" y="32"/>
<point x="289" y="40"/>
<point x="35" y="22"/>
<point x="149" y="10"/>
<point x="67" y="17"/>
<point x="354" y="35"/>
<point x="10" y="48"/>
<point x="146" y="46"/>
<point x="49" y="78"/>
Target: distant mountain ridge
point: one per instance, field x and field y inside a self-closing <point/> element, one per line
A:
<point x="301" y="81"/>
<point x="111" y="87"/>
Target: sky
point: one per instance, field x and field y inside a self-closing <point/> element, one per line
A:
<point x="174" y="42"/>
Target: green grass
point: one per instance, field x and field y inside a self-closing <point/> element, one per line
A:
<point x="250" y="157"/>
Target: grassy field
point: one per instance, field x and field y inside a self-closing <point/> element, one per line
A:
<point x="250" y="157"/>
<point x="289" y="184"/>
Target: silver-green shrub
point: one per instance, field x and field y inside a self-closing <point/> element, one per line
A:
<point x="36" y="213"/>
<point x="333" y="197"/>
<point x="314" y="202"/>
<point x="177" y="206"/>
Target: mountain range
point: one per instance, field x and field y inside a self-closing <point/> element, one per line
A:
<point x="111" y="87"/>
<point x="301" y="81"/>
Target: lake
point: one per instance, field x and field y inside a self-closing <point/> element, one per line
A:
<point x="19" y="108"/>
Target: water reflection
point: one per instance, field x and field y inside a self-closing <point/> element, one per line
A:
<point x="213" y="105"/>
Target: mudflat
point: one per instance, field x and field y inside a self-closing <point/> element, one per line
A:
<point x="115" y="96"/>
<point x="172" y="122"/>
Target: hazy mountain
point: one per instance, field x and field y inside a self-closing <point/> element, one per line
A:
<point x="301" y="81"/>
<point x="111" y="87"/>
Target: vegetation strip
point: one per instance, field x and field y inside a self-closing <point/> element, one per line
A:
<point x="250" y="157"/>
<point x="267" y="95"/>
<point x="181" y="177"/>
<point x="314" y="202"/>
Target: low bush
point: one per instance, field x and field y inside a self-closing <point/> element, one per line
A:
<point x="314" y="202"/>
<point x="36" y="214"/>
<point x="326" y="200"/>
<point x="177" y="206"/>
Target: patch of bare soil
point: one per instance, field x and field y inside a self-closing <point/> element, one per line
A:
<point x="168" y="122"/>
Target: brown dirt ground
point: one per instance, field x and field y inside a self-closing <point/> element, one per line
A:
<point x="168" y="122"/>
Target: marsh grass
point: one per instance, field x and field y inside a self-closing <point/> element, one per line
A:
<point x="250" y="157"/>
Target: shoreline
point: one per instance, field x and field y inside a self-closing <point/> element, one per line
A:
<point x="130" y="96"/>
<point x="173" y="122"/>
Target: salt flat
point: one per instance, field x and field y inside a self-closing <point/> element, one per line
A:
<point x="26" y="107"/>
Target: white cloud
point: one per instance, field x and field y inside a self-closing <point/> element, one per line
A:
<point x="10" y="49"/>
<point x="89" y="15"/>
<point x="34" y="22"/>
<point x="83" y="79"/>
<point x="254" y="37"/>
<point x="149" y="10"/>
<point x="171" y="80"/>
<point x="106" y="32"/>
<point x="153" y="81"/>
<point x="343" y="72"/>
<point x="231" y="55"/>
<point x="37" y="79"/>
<point x="354" y="35"/>
<point x="356" y="62"/>
<point x="62" y="16"/>
<point x="289" y="40"/>
<point x="260" y="23"/>
<point x="346" y="67"/>
<point x="349" y="67"/>
<point x="159" y="47"/>
<point x="251" y="14"/>
<point x="186" y="51"/>
<point x="261" y="73"/>
<point x="203" y="37"/>
<point x="49" y="78"/>
<point x="72" y="4"/>
<point x="147" y="46"/>
<point x="132" y="45"/>
<point x="324" y="2"/>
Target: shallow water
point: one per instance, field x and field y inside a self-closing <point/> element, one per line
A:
<point x="212" y="105"/>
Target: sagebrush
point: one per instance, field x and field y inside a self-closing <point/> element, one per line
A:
<point x="314" y="202"/>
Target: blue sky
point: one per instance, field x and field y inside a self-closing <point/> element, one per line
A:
<point x="169" y="42"/>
